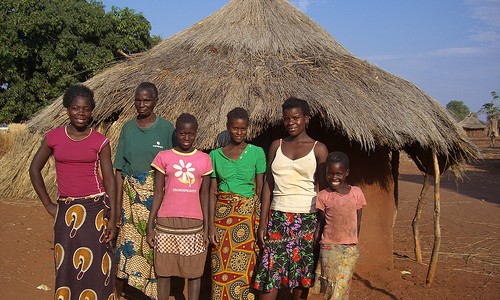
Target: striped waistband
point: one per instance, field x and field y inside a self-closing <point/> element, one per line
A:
<point x="164" y="229"/>
<point x="228" y="196"/>
<point x="71" y="199"/>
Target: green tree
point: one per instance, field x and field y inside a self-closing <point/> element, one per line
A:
<point x="458" y="108"/>
<point x="492" y="112"/>
<point x="491" y="109"/>
<point x="46" y="45"/>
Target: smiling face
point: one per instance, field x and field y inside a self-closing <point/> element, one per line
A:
<point x="295" y="121"/>
<point x="237" y="129"/>
<point x="186" y="134"/>
<point x="79" y="112"/>
<point x="145" y="102"/>
<point x="336" y="174"/>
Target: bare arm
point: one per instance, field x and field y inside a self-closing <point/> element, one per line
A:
<point x="110" y="187"/>
<point x="157" y="199"/>
<point x="267" y="190"/>
<point x="321" y="226"/>
<point x="36" y="166"/>
<point x="119" y="195"/>
<point x="259" y="182"/>
<point x="212" y="234"/>
<point x="359" y="213"/>
<point x="321" y="152"/>
<point x="204" y="199"/>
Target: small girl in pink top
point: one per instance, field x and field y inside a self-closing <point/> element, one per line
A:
<point x="339" y="206"/>
<point x="177" y="226"/>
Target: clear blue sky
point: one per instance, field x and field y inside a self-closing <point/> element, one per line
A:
<point x="449" y="48"/>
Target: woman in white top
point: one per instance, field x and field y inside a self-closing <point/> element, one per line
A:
<point x="287" y="231"/>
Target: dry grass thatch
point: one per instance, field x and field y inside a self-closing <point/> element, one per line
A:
<point x="254" y="54"/>
<point x="7" y="137"/>
<point x="471" y="122"/>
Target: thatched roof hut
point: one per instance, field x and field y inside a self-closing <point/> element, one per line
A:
<point x="472" y="126"/>
<point x="255" y="54"/>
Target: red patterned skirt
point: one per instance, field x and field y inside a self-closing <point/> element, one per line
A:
<point x="233" y="262"/>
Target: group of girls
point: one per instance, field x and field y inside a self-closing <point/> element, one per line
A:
<point x="172" y="202"/>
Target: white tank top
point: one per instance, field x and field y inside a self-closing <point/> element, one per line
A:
<point x="294" y="186"/>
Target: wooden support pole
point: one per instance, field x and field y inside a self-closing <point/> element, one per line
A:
<point x="416" y="219"/>
<point x="437" y="228"/>
<point x="395" y="178"/>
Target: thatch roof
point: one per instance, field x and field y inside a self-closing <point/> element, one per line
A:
<point x="471" y="122"/>
<point x="255" y="54"/>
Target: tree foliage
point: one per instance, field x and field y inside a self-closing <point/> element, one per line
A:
<point x="46" y="45"/>
<point x="491" y="109"/>
<point x="458" y="108"/>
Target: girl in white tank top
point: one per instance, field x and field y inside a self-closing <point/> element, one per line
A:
<point x="288" y="222"/>
<point x="294" y="184"/>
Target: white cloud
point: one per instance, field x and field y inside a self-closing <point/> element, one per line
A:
<point x="422" y="57"/>
<point x="485" y="36"/>
<point x="302" y="5"/>
<point x="383" y="57"/>
<point x="455" y="51"/>
<point x="486" y="11"/>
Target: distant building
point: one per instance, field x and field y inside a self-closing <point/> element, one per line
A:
<point x="473" y="126"/>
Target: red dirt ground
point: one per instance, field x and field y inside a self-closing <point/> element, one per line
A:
<point x="469" y="259"/>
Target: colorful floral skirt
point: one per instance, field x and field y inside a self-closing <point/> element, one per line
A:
<point x="335" y="269"/>
<point x="179" y="247"/>
<point x="135" y="256"/>
<point x="287" y="260"/>
<point x="233" y="262"/>
<point x="85" y="264"/>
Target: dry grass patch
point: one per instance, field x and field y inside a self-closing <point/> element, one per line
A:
<point x="6" y="138"/>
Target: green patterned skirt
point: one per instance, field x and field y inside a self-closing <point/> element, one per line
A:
<point x="134" y="255"/>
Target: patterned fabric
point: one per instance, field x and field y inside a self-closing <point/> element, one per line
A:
<point x="233" y="262"/>
<point x="185" y="242"/>
<point x="85" y="265"/>
<point x="135" y="256"/>
<point x="179" y="247"/>
<point x="288" y="257"/>
<point x="334" y="272"/>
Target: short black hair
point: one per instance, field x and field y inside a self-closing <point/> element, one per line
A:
<point x="186" y="118"/>
<point x="293" y="102"/>
<point x="78" y="90"/>
<point x="237" y="113"/>
<point x="147" y="86"/>
<point x="338" y="157"/>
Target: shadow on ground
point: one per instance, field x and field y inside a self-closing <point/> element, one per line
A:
<point x="369" y="285"/>
<point x="473" y="183"/>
